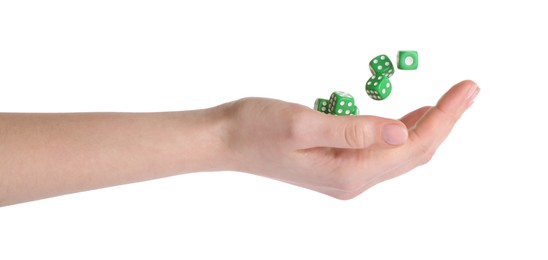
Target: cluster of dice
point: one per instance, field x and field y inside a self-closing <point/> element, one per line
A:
<point x="339" y="104"/>
<point x="378" y="87"/>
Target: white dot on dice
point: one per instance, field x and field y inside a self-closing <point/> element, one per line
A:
<point x="408" y="60"/>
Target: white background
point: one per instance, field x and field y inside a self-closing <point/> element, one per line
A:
<point x="483" y="196"/>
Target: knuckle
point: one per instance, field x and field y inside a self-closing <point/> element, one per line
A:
<point x="355" y="135"/>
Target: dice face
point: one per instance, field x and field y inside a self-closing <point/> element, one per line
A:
<point x="378" y="87"/>
<point x="381" y="65"/>
<point x="408" y="60"/>
<point x="341" y="104"/>
<point x="321" y="105"/>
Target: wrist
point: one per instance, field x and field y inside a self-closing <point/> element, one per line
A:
<point x="203" y="140"/>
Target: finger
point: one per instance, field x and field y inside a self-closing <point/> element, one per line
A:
<point x="431" y="129"/>
<point x="410" y="120"/>
<point x="436" y="124"/>
<point x="350" y="132"/>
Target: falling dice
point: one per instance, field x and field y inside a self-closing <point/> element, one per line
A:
<point x="408" y="60"/>
<point x="321" y="105"/>
<point x="378" y="87"/>
<point x="381" y="65"/>
<point x="341" y="104"/>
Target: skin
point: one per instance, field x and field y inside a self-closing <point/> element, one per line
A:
<point x="47" y="155"/>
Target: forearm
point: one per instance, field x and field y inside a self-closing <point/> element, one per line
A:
<point x="45" y="155"/>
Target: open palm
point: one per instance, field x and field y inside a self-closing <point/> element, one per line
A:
<point x="338" y="156"/>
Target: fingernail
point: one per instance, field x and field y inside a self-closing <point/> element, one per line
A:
<point x="471" y="96"/>
<point x="472" y="92"/>
<point x="394" y="134"/>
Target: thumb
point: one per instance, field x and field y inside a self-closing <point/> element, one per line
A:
<point x="354" y="132"/>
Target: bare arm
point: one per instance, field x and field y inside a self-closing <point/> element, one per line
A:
<point x="45" y="155"/>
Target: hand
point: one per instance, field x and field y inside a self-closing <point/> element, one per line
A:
<point x="338" y="156"/>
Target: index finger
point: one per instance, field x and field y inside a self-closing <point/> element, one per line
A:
<point x="428" y="133"/>
<point x="436" y="124"/>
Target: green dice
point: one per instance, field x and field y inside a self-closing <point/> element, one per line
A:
<point x="378" y="87"/>
<point x="341" y="104"/>
<point x="381" y="65"/>
<point x="408" y="60"/>
<point x="321" y="105"/>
